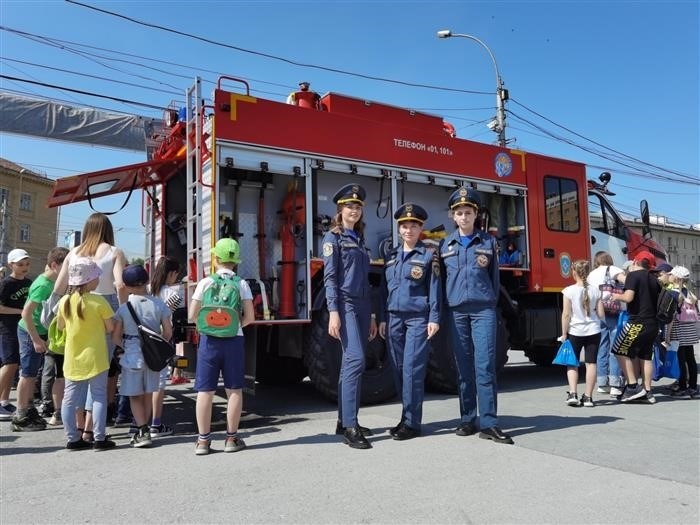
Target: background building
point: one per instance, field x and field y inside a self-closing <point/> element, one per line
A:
<point x="25" y="221"/>
<point x="681" y="242"/>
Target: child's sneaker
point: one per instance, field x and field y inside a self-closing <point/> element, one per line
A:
<point x="142" y="438"/>
<point x="179" y="380"/>
<point x="587" y="401"/>
<point x="202" y="448"/>
<point x="572" y="399"/>
<point x="55" y="420"/>
<point x="604" y="389"/>
<point x="649" y="398"/>
<point x="615" y="392"/>
<point x="7" y="412"/>
<point x="27" y="424"/>
<point x="234" y="444"/>
<point x="160" y="430"/>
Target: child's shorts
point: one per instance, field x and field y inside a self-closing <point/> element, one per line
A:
<point x="29" y="359"/>
<point x="163" y="378"/>
<point x="137" y="381"/>
<point x="215" y="355"/>
<point x="636" y="339"/>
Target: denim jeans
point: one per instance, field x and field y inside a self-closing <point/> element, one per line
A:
<point x="30" y="360"/>
<point x="74" y="398"/>
<point x="608" y="369"/>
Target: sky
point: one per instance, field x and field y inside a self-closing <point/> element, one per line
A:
<point x="617" y="78"/>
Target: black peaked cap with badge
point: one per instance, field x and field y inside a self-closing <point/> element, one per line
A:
<point x="350" y="193"/>
<point x="465" y="197"/>
<point x="411" y="212"/>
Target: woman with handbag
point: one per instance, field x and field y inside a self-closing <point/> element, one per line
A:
<point x="684" y="330"/>
<point x="580" y="323"/>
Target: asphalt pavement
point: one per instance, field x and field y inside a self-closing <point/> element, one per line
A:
<point x="612" y="463"/>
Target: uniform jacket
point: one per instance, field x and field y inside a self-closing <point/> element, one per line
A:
<point x="472" y="271"/>
<point x="346" y="268"/>
<point x="413" y="283"/>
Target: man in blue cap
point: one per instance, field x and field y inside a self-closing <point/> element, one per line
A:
<point x="411" y="311"/>
<point x="470" y="261"/>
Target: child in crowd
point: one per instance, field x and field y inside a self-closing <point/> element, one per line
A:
<point x="32" y="337"/>
<point x="85" y="317"/>
<point x="580" y="323"/>
<point x="684" y="329"/>
<point x="13" y="293"/>
<point x="138" y="382"/>
<point x="217" y="355"/>
<point x="164" y="285"/>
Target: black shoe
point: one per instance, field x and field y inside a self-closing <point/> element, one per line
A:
<point x="466" y="429"/>
<point x="339" y="430"/>
<point x="355" y="439"/>
<point x="105" y="444"/>
<point x="78" y="445"/>
<point x="405" y="432"/>
<point x="394" y="430"/>
<point x="496" y="434"/>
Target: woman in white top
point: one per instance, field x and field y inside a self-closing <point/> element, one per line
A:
<point x="98" y="244"/>
<point x="580" y="323"/>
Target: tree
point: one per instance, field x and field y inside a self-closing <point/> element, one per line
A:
<point x="137" y="260"/>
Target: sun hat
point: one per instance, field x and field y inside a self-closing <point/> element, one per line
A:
<point x="680" y="272"/>
<point x="17" y="255"/>
<point x="134" y="275"/>
<point x="227" y="250"/>
<point x="82" y="270"/>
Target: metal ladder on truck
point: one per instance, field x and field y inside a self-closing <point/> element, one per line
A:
<point x="198" y="237"/>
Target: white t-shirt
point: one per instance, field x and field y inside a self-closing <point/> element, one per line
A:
<point x="205" y="283"/>
<point x="582" y="323"/>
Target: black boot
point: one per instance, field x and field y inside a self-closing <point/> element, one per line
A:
<point x="339" y="430"/>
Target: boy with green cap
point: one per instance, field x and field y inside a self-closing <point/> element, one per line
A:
<point x="221" y="305"/>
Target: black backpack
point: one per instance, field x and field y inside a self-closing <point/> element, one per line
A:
<point x="666" y="305"/>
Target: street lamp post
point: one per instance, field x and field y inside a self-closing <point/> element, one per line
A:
<point x="501" y="93"/>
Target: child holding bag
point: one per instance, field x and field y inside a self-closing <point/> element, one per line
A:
<point x="684" y="330"/>
<point x="580" y="324"/>
<point x="85" y="317"/>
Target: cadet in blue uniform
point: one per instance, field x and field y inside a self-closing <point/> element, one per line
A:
<point x="470" y="262"/>
<point x="346" y="278"/>
<point x="411" y="300"/>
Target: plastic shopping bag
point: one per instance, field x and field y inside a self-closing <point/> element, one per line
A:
<point x="566" y="355"/>
<point x="671" y="367"/>
<point x="657" y="361"/>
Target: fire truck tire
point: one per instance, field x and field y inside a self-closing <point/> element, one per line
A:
<point x="541" y="355"/>
<point x="442" y="369"/>
<point x="323" y="355"/>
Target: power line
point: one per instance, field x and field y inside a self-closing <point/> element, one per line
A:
<point x="634" y="159"/>
<point x="274" y="57"/>
<point x="80" y="91"/>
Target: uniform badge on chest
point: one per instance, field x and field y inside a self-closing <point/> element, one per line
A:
<point x="328" y="249"/>
<point x="416" y="272"/>
<point x="482" y="260"/>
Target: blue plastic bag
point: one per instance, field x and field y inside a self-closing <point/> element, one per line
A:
<point x="566" y="355"/>
<point x="671" y="367"/>
<point x="658" y="361"/>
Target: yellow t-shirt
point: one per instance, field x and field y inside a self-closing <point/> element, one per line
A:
<point x="86" y="343"/>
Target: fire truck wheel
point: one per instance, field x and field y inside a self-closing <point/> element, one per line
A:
<point x="323" y="355"/>
<point x="541" y="355"/>
<point x="442" y="370"/>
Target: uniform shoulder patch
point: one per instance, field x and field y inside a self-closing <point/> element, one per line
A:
<point x="327" y="249"/>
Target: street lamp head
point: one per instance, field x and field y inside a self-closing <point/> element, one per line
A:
<point x="445" y="33"/>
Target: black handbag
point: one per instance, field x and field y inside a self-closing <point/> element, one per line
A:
<point x="157" y="352"/>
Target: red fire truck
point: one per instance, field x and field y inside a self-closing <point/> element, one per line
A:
<point x="264" y="172"/>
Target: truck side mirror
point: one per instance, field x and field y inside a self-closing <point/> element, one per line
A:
<point x="644" y="211"/>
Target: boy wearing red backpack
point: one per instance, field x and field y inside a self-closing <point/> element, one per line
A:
<point x="221" y="305"/>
